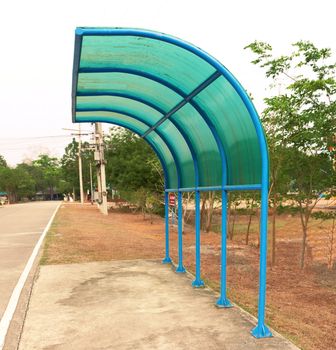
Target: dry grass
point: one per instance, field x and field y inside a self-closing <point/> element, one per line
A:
<point x="300" y="304"/>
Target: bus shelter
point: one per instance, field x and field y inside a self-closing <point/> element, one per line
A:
<point x="194" y="114"/>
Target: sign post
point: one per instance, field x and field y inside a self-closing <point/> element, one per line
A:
<point x="172" y="202"/>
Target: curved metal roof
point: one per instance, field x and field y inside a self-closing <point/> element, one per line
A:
<point x="183" y="102"/>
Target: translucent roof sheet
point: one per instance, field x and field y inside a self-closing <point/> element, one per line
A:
<point x="183" y="102"/>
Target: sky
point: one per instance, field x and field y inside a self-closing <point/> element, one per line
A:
<point x="37" y="41"/>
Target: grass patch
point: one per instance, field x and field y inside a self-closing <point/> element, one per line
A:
<point x="48" y="241"/>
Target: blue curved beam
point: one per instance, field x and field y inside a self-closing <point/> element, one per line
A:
<point x="183" y="95"/>
<point x="120" y="94"/>
<point x="137" y="73"/>
<point x="164" y="139"/>
<point x="151" y="144"/>
<point x="131" y="115"/>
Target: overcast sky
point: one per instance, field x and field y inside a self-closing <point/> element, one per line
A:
<point x="37" y="40"/>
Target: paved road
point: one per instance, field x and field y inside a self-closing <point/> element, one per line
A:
<point x="21" y="225"/>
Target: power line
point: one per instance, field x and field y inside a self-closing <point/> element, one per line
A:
<point x="4" y="139"/>
<point x="28" y="142"/>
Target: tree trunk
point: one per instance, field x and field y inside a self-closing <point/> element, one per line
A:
<point x="304" y="222"/>
<point x="229" y="215"/>
<point x="249" y="224"/>
<point x="258" y="234"/>
<point x="233" y="222"/>
<point x="185" y="211"/>
<point x="210" y="211"/>
<point x="305" y="213"/>
<point x="51" y="194"/>
<point x="203" y="213"/>
<point x="331" y="246"/>
<point x="303" y="247"/>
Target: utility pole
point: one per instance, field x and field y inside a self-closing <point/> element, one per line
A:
<point x="80" y="171"/>
<point x="100" y="164"/>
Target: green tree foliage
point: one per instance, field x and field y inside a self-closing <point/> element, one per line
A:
<point x="69" y="167"/>
<point x="18" y="183"/>
<point x="49" y="168"/>
<point x="134" y="170"/>
<point x="25" y="180"/>
<point x="36" y="173"/>
<point x="47" y="175"/>
<point x="300" y="123"/>
<point x="3" y="163"/>
<point x="303" y="115"/>
<point x="131" y="163"/>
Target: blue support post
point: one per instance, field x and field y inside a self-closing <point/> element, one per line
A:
<point x="180" y="268"/>
<point x="167" y="259"/>
<point x="197" y="282"/>
<point x="223" y="301"/>
<point x="261" y="330"/>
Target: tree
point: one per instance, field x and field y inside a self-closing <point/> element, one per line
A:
<point x="36" y="173"/>
<point x="131" y="163"/>
<point x="251" y="204"/>
<point x="300" y="121"/>
<point x="69" y="167"/>
<point x="331" y="233"/>
<point x="50" y="170"/>
<point x="18" y="183"/>
<point x="3" y="163"/>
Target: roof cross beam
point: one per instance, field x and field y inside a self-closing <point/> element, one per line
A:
<point x="185" y="100"/>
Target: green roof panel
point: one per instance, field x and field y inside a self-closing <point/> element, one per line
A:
<point x="187" y="105"/>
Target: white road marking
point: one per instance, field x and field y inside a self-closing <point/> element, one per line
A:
<point x="8" y="314"/>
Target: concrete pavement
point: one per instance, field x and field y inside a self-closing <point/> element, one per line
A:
<point x="126" y="305"/>
<point x="21" y="226"/>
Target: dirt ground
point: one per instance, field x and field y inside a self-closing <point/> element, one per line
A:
<point x="300" y="304"/>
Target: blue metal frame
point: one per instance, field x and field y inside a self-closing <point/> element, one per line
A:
<point x="188" y="98"/>
<point x="137" y="73"/>
<point x="218" y="188"/>
<point x="261" y="330"/>
<point x="77" y="54"/>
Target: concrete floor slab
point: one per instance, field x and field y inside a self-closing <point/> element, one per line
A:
<point x="126" y="305"/>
